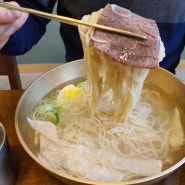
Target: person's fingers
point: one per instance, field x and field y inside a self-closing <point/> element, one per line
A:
<point x="7" y="15"/>
<point x="7" y="30"/>
<point x="14" y="21"/>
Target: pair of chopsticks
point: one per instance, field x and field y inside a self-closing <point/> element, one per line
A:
<point x="71" y="21"/>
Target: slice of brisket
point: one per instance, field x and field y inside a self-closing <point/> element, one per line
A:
<point x="127" y="50"/>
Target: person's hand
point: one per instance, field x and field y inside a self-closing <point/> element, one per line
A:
<point x="10" y="22"/>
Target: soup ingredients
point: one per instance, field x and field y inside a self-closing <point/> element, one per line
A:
<point x="85" y="158"/>
<point x="106" y="71"/>
<point x="177" y="132"/>
<point x="122" y="151"/>
<point x="46" y="111"/>
<point x="69" y="95"/>
<point x="134" y="52"/>
<point x="115" y="126"/>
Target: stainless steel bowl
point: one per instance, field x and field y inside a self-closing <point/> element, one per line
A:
<point x="72" y="72"/>
<point x="7" y="168"/>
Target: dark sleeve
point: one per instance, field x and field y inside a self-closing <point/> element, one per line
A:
<point x="32" y="31"/>
<point x="173" y="37"/>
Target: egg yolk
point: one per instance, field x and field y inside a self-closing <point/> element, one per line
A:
<point x="70" y="95"/>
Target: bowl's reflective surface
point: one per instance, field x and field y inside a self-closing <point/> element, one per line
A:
<point x="7" y="168"/>
<point x="72" y="72"/>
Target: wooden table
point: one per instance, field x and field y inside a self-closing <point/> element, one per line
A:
<point x="28" y="171"/>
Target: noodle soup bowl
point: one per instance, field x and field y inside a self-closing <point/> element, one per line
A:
<point x="71" y="73"/>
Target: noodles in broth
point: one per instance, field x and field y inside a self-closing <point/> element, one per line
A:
<point x="109" y="128"/>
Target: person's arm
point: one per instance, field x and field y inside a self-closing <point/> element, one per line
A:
<point x="28" y="34"/>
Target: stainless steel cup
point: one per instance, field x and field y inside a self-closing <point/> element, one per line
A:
<point x="7" y="169"/>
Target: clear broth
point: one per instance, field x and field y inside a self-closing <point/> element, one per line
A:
<point x="177" y="155"/>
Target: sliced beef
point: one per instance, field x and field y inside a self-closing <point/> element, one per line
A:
<point x="127" y="50"/>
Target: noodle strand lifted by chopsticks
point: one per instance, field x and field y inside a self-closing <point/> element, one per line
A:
<point x="104" y="74"/>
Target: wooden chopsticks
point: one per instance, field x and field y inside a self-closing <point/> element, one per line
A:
<point x="71" y="21"/>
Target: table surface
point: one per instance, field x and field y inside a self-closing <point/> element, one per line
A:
<point x="28" y="171"/>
